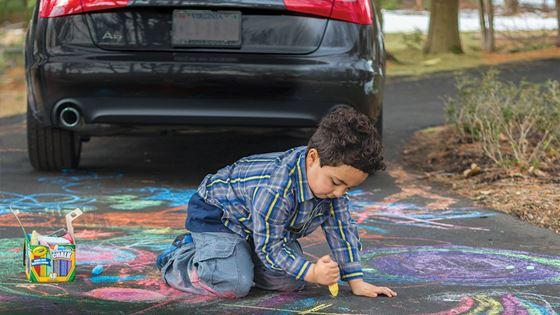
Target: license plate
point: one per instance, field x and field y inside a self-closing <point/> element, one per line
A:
<point x="204" y="28"/>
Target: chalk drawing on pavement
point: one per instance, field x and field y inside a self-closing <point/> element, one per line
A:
<point x="460" y="265"/>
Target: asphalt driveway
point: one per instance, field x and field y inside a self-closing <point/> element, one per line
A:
<point x="439" y="252"/>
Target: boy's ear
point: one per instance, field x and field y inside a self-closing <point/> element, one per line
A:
<point x="312" y="155"/>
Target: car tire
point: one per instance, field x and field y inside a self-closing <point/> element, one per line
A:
<point x="51" y="149"/>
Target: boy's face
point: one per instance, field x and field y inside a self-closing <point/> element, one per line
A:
<point x="331" y="181"/>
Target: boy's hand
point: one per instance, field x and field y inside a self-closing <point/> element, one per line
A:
<point x="324" y="272"/>
<point x="360" y="287"/>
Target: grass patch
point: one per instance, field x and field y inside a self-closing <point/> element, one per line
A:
<point x="11" y="48"/>
<point x="406" y="48"/>
<point x="13" y="11"/>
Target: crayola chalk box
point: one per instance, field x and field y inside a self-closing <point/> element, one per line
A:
<point x="51" y="258"/>
<point x="49" y="263"/>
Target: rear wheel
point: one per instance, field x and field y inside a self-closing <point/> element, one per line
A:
<point x="50" y="148"/>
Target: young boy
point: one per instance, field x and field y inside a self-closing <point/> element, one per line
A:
<point x="244" y="221"/>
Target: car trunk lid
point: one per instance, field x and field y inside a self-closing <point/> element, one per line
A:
<point x="240" y="26"/>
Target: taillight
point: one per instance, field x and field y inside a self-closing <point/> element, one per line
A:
<point x="54" y="8"/>
<point x="314" y="7"/>
<point x="355" y="11"/>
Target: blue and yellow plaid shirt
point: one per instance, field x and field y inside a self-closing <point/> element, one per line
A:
<point x="267" y="198"/>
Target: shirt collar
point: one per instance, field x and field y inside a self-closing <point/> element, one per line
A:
<point x="303" y="192"/>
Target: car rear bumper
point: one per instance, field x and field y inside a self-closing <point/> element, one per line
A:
<point x="144" y="88"/>
<point x="214" y="93"/>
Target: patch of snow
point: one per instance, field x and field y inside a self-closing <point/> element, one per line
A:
<point x="536" y="3"/>
<point x="397" y="21"/>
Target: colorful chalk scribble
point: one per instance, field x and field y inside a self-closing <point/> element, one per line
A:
<point x="369" y="212"/>
<point x="126" y="227"/>
<point x="461" y="266"/>
<point x="495" y="302"/>
<point x="76" y="190"/>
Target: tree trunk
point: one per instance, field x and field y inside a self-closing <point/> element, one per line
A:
<point x="379" y="13"/>
<point x="490" y="42"/>
<point x="419" y="5"/>
<point x="511" y="7"/>
<point x="443" y="33"/>
<point x="558" y="17"/>
<point x="377" y="4"/>
<point x="486" y="16"/>
<point x="482" y="21"/>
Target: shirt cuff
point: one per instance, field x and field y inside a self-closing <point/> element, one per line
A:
<point x="303" y="270"/>
<point x="351" y="271"/>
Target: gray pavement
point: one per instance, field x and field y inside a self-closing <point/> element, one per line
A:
<point x="440" y="253"/>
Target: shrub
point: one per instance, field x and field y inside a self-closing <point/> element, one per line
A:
<point x="516" y="124"/>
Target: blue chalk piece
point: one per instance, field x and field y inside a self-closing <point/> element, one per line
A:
<point x="97" y="270"/>
<point x="113" y="279"/>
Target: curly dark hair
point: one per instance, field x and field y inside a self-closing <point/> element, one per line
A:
<point x="346" y="136"/>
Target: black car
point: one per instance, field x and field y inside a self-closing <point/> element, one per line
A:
<point x="121" y="66"/>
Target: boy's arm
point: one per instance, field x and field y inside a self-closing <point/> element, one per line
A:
<point x="270" y="214"/>
<point x="343" y="238"/>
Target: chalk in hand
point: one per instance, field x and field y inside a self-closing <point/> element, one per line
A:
<point x="334" y="289"/>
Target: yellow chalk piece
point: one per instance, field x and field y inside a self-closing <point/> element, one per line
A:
<point x="334" y="289"/>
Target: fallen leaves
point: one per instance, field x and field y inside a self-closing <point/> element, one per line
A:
<point x="531" y="194"/>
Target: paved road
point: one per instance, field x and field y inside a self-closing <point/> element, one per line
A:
<point x="439" y="252"/>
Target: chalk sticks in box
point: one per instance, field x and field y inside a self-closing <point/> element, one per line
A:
<point x="49" y="258"/>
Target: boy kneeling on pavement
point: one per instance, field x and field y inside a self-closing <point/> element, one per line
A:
<point x="244" y="220"/>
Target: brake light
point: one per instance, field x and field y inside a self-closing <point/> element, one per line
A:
<point x="314" y="7"/>
<point x="54" y="8"/>
<point x="355" y="11"/>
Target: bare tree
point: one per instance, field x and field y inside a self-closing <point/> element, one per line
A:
<point x="558" y="17"/>
<point x="486" y="17"/>
<point x="511" y="7"/>
<point x="443" y="33"/>
<point x="377" y="4"/>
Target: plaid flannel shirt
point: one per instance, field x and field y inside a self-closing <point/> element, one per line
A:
<point x="267" y="198"/>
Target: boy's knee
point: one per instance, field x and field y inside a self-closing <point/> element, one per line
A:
<point x="224" y="265"/>
<point x="244" y="286"/>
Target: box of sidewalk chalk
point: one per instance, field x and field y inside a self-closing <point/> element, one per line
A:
<point x="51" y="258"/>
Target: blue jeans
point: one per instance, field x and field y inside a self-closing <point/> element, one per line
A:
<point x="224" y="265"/>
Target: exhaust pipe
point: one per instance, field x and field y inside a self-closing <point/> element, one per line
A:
<point x="69" y="117"/>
